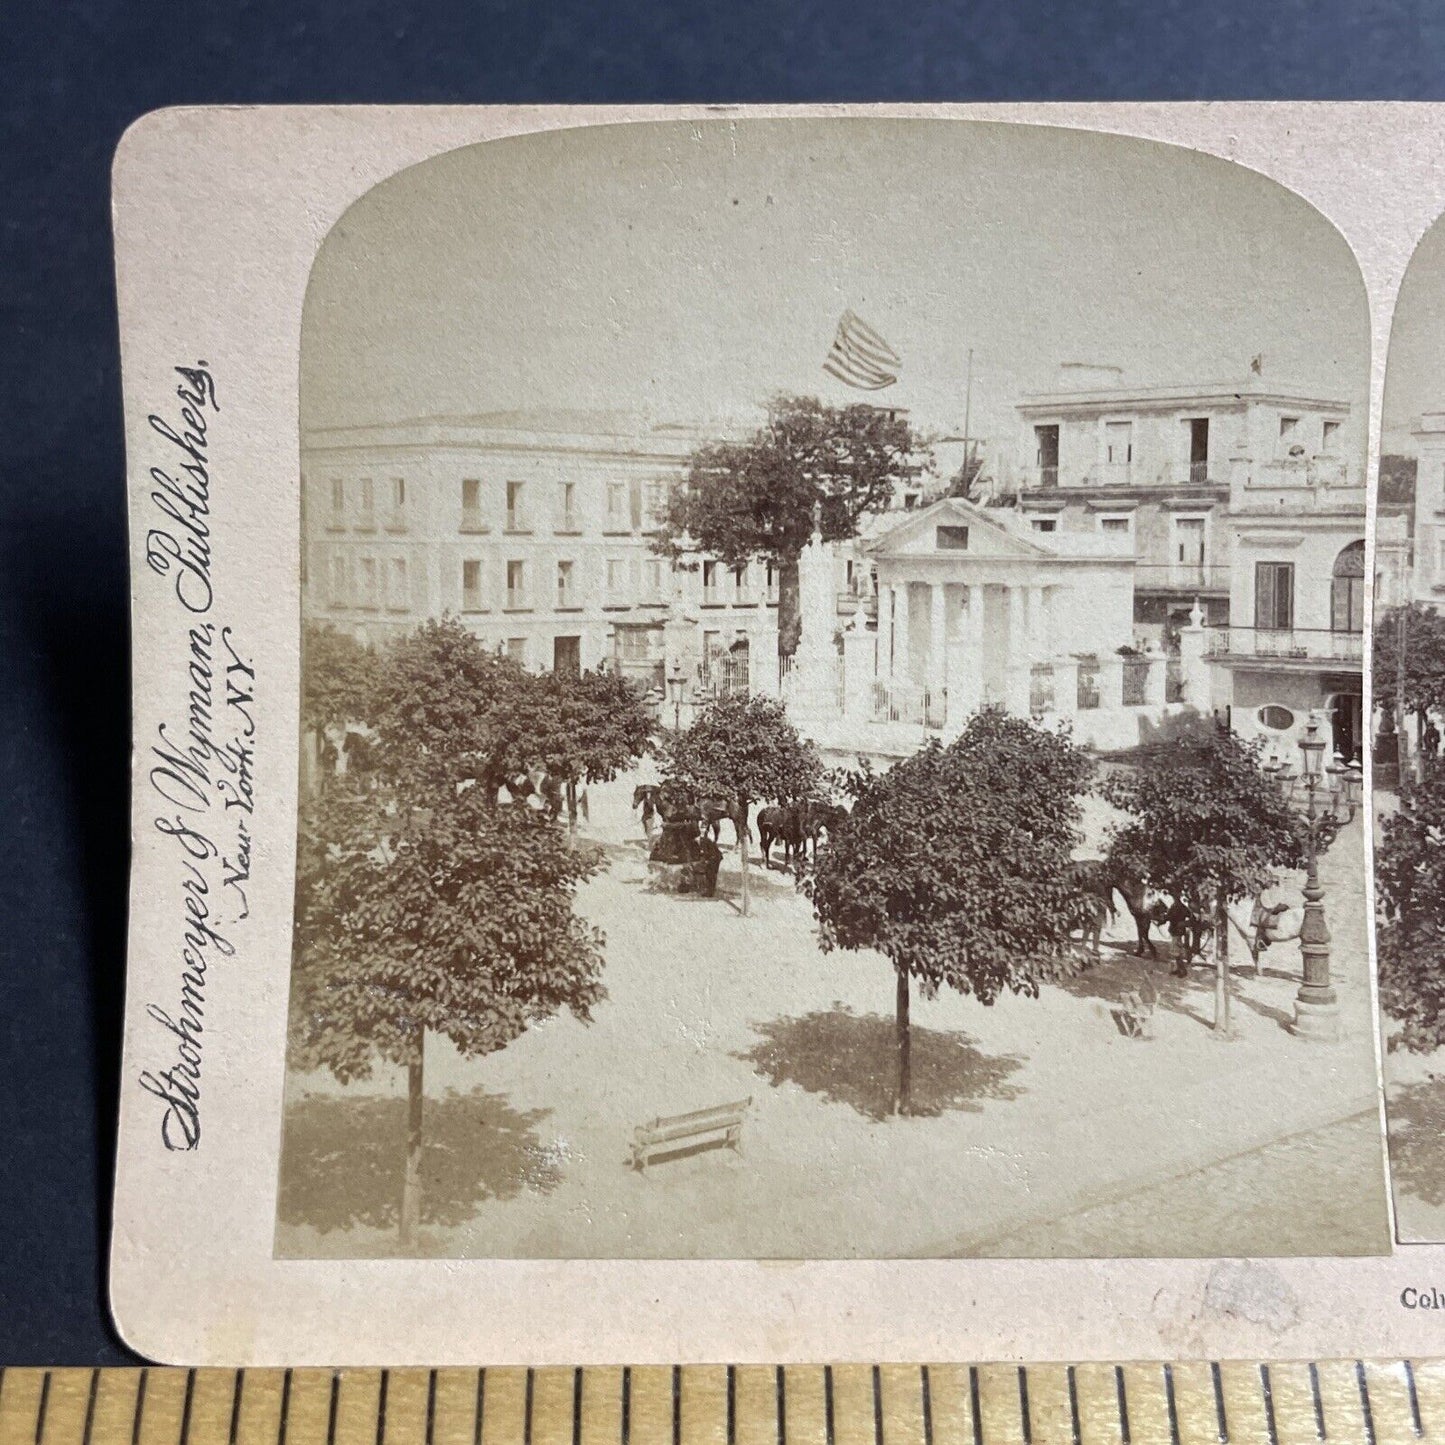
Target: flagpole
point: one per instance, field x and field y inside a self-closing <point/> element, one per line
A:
<point x="967" y="403"/>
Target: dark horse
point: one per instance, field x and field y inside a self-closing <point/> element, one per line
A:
<point x="674" y="804"/>
<point x="795" y="825"/>
<point x="1103" y="877"/>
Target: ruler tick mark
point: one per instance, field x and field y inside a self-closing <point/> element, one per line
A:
<point x="186" y="1408"/>
<point x="44" y="1406"/>
<point x="627" y="1406"/>
<point x="1415" y="1422"/>
<point x="1024" y="1420"/>
<point x="481" y="1405"/>
<point x="140" y="1407"/>
<point x="1123" y="1401"/>
<point x="828" y="1430"/>
<point x="677" y="1405"/>
<point x="576" y="1407"/>
<point x="1074" y="1433"/>
<point x="926" y="1389"/>
<point x="90" y="1408"/>
<point x="1365" y="1409"/>
<point x="1318" y="1402"/>
<point x="877" y="1406"/>
<point x="527" y="1407"/>
<point x="331" y="1413"/>
<point x="1170" y="1402"/>
<point x="431" y="1405"/>
<point x="285" y="1407"/>
<point x="1268" y="1390"/>
<point x="381" y="1408"/>
<point x="237" y="1386"/>
<point x="1221" y="1420"/>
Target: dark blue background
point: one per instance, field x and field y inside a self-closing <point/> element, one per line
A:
<point x="71" y="78"/>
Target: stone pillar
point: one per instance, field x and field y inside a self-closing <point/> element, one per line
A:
<point x="901" y="667"/>
<point x="1111" y="682"/>
<point x="937" y="644"/>
<point x="860" y="670"/>
<point x="965" y="673"/>
<point x="763" y="654"/>
<point x="1039" y="640"/>
<point x="1194" y="670"/>
<point x="1156" y="680"/>
<point x="1017" y="667"/>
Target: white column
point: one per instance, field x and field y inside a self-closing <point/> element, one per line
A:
<point x="937" y="643"/>
<point x="1039" y="641"/>
<point x="902" y="642"/>
<point x="1157" y="678"/>
<point x="1016" y="667"/>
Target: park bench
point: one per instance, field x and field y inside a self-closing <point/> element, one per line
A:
<point x="721" y="1125"/>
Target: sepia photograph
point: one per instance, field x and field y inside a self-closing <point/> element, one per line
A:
<point x="1408" y="780"/>
<point x="832" y="707"/>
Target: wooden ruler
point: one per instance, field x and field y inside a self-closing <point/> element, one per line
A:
<point x="1350" y="1402"/>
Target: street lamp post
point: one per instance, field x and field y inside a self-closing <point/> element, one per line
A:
<point x="676" y="682"/>
<point x="1316" y="1009"/>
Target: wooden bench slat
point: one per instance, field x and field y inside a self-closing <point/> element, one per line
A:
<point x="722" y="1120"/>
<point x="662" y="1121"/>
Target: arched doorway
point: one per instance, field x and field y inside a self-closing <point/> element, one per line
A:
<point x="1348" y="595"/>
<point x="1347" y="724"/>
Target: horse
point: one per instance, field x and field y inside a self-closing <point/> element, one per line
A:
<point x="781" y="823"/>
<point x="816" y="817"/>
<point x="1103" y="877"/>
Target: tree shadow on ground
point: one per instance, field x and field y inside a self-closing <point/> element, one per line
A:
<point x="852" y="1059"/>
<point x="1118" y="971"/>
<point x="342" y="1159"/>
<point x="1416" y="1115"/>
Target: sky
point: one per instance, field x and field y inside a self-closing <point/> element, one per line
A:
<point x="1413" y="371"/>
<point x="688" y="271"/>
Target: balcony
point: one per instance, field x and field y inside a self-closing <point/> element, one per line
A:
<point x="1288" y="646"/>
<point x="1046" y="476"/>
<point x="1311" y="473"/>
<point x="1188" y="577"/>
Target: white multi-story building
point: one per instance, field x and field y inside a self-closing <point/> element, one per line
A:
<point x="1429" y="528"/>
<point x="1158" y="464"/>
<point x="534" y="530"/>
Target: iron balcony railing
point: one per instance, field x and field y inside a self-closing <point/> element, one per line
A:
<point x="1293" y="644"/>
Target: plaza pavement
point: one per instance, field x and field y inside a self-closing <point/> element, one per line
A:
<point x="1043" y="1122"/>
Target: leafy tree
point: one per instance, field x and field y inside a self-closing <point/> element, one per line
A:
<point x="454" y="918"/>
<point x="744" y="749"/>
<point x="448" y="711"/>
<point x="757" y="498"/>
<point x="339" y="677"/>
<point x="955" y="864"/>
<point x="1208" y="826"/>
<point x="1422" y="630"/>
<point x="591" y="726"/>
<point x="1410" y="883"/>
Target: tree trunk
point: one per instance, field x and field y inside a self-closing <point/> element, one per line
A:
<point x="572" y="811"/>
<point x="411" y="1180"/>
<point x="790" y="620"/>
<point x="905" y="1047"/>
<point x="1221" y="966"/>
<point x="740" y="822"/>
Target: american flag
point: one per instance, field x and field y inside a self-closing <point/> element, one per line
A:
<point x="860" y="357"/>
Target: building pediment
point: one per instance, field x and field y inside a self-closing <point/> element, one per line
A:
<point x="953" y="527"/>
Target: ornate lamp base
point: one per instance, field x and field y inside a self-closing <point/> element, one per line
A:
<point x="1319" y="1021"/>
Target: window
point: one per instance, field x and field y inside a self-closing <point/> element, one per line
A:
<point x="1198" y="449"/>
<point x="1118" y="443"/>
<point x="1347" y="590"/>
<point x="616" y="506"/>
<point x="655" y="502"/>
<point x="1330" y="438"/>
<point x="1288" y="425"/>
<point x="338" y="500"/>
<point x="740" y="583"/>
<point x="472" y="586"/>
<point x="367" y="504"/>
<point x="1189" y="549"/>
<point x="951" y="539"/>
<point x="709" y="583"/>
<point x="616" y="581"/>
<point x="567" y="517"/>
<point x="653" y="578"/>
<point x="516" y="584"/>
<point x="1276" y="718"/>
<point x="398" y="492"/>
<point x="1045" y="524"/>
<point x="772" y="581"/>
<point x="369" y="597"/>
<point x="517" y="650"/>
<point x="566" y="597"/>
<point x="1046" y="455"/>
<point x="397" y="598"/>
<point x="336" y="580"/>
<point x="516" y="517"/>
<point x="1274" y="596"/>
<point x="472" y="505"/>
<point x="1116" y="526"/>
